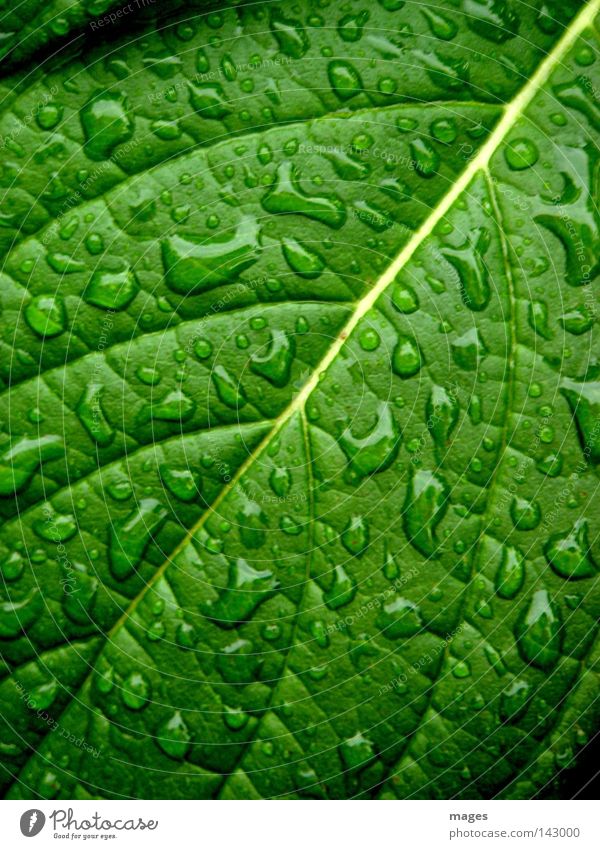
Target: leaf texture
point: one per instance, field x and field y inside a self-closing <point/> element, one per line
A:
<point x="300" y="402"/>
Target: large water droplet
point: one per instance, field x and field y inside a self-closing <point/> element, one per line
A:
<point x="19" y="462"/>
<point x="173" y="737"/>
<point x="247" y="588"/>
<point x="342" y="590"/>
<point x="192" y="267"/>
<point x="92" y="416"/>
<point x="112" y="290"/>
<point x="377" y="450"/>
<point x="425" y="506"/>
<point x="286" y="197"/>
<point x="106" y="123"/>
<point x="130" y="537"/>
<point x="276" y="364"/>
<point x="468" y="260"/>
<point x="398" y="618"/>
<point x="538" y="632"/>
<point x="511" y="572"/>
<point x="569" y="553"/>
<point x="584" y="401"/>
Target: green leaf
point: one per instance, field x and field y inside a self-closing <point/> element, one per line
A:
<point x="300" y="402"/>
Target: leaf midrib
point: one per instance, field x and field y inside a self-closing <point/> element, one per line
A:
<point x="511" y="111"/>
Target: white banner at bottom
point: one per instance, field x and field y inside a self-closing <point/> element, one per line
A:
<point x="301" y="825"/>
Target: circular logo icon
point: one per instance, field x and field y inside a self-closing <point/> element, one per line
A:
<point x="32" y="822"/>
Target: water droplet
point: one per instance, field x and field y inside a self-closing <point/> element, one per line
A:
<point x="276" y="363"/>
<point x="290" y="35"/>
<point x="441" y="26"/>
<point x="584" y="402"/>
<point x="538" y="632"/>
<point x="300" y="259"/>
<point x="407" y="358"/>
<point x="286" y="197"/>
<point x="193" y="267"/>
<point x="511" y="572"/>
<point x="425" y="158"/>
<point x="106" y="123"/>
<point x="17" y="616"/>
<point x="173" y="737"/>
<point x="526" y="515"/>
<point x="246" y="589"/>
<point x="182" y="483"/>
<point x="494" y="20"/>
<point x="469" y="262"/>
<point x="513" y="701"/>
<point x="442" y="415"/>
<point x="425" y="506"/>
<point x="55" y="527"/>
<point x="130" y="537"/>
<point x="569" y="552"/>
<point x="356" y="752"/>
<point x="112" y="290"/>
<point x="577" y="321"/>
<point x="378" y="449"/>
<point x="46" y="315"/>
<point x="404" y="298"/>
<point x="468" y="350"/>
<point x="399" y="618"/>
<point x="229" y="391"/>
<point x="92" y="416"/>
<point x="521" y="154"/>
<point x="208" y="100"/>
<point x="342" y="590"/>
<point x="136" y="691"/>
<point x="355" y="537"/>
<point x="344" y="79"/>
<point x="19" y="462"/>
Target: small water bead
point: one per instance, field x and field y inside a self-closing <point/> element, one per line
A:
<point x="355" y="537"/>
<point x="577" y="321"/>
<point x="186" y="636"/>
<point x="350" y="27"/>
<point x="440" y="25"/>
<point x="136" y="691"/>
<point x="235" y="719"/>
<point x="404" y="298"/>
<point x="369" y="339"/>
<point x="203" y="349"/>
<point x="520" y="154"/>
<point x="461" y="669"/>
<point x="444" y="130"/>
